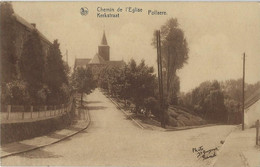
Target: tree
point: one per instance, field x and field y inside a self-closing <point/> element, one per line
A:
<point x="175" y="91"/>
<point x="174" y="49"/>
<point x="232" y="90"/>
<point x="103" y="78"/>
<point x="56" y="75"/>
<point x="116" y="81"/>
<point x="82" y="81"/>
<point x="7" y="31"/>
<point x="132" y="82"/>
<point x="233" y="108"/>
<point x="141" y="80"/>
<point x="217" y="107"/>
<point x="208" y="101"/>
<point x="251" y="88"/>
<point x="32" y="66"/>
<point x="219" y="101"/>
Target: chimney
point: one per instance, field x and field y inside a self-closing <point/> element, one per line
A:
<point x="34" y="25"/>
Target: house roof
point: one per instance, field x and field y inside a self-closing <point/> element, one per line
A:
<point x="80" y="62"/>
<point x="252" y="99"/>
<point x="97" y="59"/>
<point x="22" y="21"/>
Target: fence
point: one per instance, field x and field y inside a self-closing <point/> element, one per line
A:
<point x="15" y="113"/>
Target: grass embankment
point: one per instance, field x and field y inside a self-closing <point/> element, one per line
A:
<point x="175" y="117"/>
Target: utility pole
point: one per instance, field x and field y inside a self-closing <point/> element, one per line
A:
<point x="160" y="77"/>
<point x="243" y="94"/>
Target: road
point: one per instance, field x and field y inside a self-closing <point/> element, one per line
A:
<point x="114" y="140"/>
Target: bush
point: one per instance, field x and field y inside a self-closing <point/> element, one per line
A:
<point x="15" y="93"/>
<point x="152" y="105"/>
<point x="42" y="95"/>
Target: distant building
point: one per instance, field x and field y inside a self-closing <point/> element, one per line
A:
<point x="252" y="109"/>
<point x="99" y="60"/>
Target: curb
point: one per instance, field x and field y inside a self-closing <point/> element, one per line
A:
<point x="45" y="145"/>
<point x="189" y="127"/>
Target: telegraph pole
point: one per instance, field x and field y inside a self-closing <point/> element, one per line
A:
<point x="243" y="94"/>
<point x="160" y="77"/>
<point x="158" y="62"/>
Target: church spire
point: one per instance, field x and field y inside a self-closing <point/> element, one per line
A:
<point x="104" y="39"/>
<point x="103" y="48"/>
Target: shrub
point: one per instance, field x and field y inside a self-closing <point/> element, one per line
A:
<point x="15" y="93"/>
<point x="152" y="105"/>
<point x="42" y="95"/>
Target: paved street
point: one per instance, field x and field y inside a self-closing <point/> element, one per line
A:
<point x="114" y="140"/>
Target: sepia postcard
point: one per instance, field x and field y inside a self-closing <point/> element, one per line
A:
<point x="136" y="83"/>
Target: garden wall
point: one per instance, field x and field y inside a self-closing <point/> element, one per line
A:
<point x="12" y="132"/>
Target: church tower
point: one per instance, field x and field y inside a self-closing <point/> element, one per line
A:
<point x="103" y="48"/>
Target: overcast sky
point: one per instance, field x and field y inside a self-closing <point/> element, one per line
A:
<point x="217" y="33"/>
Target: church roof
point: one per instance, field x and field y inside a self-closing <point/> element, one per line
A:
<point x="104" y="39"/>
<point x="97" y="59"/>
<point x="81" y="62"/>
<point x="115" y="63"/>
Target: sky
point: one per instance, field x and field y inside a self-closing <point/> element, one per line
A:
<point x="218" y="33"/>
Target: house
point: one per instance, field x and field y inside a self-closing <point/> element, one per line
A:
<point x="252" y="109"/>
<point x="22" y="30"/>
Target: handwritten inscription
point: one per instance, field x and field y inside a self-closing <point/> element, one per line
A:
<point x="205" y="154"/>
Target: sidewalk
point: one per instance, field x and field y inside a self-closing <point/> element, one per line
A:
<point x="239" y="150"/>
<point x="80" y="123"/>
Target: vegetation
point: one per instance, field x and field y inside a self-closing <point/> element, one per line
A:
<point x="56" y="76"/>
<point x="152" y="106"/>
<point x="32" y="77"/>
<point x="8" y="56"/>
<point x="216" y="101"/>
<point x="83" y="81"/>
<point x="207" y="100"/>
<point x="232" y="90"/>
<point x="134" y="83"/>
<point x="16" y="93"/>
<point x="174" y="49"/>
<point x="32" y="68"/>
